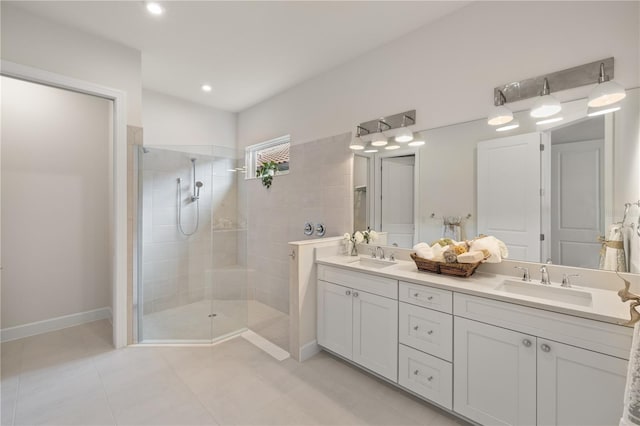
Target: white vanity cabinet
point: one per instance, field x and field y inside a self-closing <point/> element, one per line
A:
<point x="515" y="373"/>
<point x="358" y="318"/>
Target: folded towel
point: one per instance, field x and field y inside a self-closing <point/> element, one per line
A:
<point x="425" y="253"/>
<point x="421" y="245"/>
<point x="470" y="257"/>
<point x="496" y="248"/>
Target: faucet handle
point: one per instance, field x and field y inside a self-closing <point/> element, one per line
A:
<point x="525" y="276"/>
<point x="566" y="280"/>
<point x="373" y="253"/>
<point x="392" y="257"/>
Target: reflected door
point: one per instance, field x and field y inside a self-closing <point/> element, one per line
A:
<point x="509" y="193"/>
<point x="397" y="218"/>
<point x="576" y="203"/>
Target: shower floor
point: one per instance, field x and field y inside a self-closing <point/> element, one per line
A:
<point x="192" y="323"/>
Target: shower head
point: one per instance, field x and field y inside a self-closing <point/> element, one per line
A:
<point x="199" y="184"/>
<point x="193" y="160"/>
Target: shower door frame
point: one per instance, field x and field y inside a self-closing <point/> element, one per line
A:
<point x="118" y="193"/>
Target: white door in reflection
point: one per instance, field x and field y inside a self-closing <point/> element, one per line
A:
<point x="509" y="193"/>
<point x="397" y="208"/>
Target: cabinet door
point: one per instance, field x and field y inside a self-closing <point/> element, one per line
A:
<point x="494" y="374"/>
<point x="578" y="387"/>
<point x="335" y="322"/>
<point x="375" y="334"/>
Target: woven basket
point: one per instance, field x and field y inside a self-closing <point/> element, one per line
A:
<point x="454" y="269"/>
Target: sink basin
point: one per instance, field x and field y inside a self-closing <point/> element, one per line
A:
<point x="556" y="294"/>
<point x="371" y="262"/>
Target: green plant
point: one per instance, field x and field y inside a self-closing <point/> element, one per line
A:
<point x="266" y="171"/>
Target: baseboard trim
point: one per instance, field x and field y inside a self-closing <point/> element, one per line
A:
<point x="58" y="323"/>
<point x="309" y="350"/>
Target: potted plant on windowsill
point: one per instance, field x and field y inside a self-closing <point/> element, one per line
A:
<point x="266" y="171"/>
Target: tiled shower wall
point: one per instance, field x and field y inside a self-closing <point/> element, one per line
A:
<point x="317" y="189"/>
<point x="176" y="269"/>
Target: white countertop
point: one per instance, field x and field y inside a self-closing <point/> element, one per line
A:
<point x="605" y="304"/>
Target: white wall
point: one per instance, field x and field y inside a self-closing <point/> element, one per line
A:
<point x="39" y="43"/>
<point x="447" y="70"/>
<point x="169" y="120"/>
<point x="55" y="236"/>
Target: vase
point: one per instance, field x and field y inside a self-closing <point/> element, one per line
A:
<point x="354" y="249"/>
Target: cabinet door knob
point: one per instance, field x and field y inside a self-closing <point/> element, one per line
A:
<point x="430" y="332"/>
<point x="430" y="378"/>
<point x="415" y="373"/>
<point x="526" y="343"/>
<point x="430" y="298"/>
<point x="545" y="347"/>
<point x="348" y="292"/>
<point x="415" y="327"/>
<point x="416" y="294"/>
<point x="355" y="294"/>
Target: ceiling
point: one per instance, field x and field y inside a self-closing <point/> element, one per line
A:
<point x="247" y="51"/>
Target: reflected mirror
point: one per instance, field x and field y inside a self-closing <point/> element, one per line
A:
<point x="565" y="192"/>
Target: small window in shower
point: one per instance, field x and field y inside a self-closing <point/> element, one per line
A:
<point x="276" y="150"/>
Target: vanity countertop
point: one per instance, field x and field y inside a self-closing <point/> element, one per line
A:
<point x="605" y="305"/>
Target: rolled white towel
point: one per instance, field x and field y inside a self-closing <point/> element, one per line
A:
<point x="420" y="245"/>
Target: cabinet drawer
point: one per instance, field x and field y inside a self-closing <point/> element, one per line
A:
<point x="427" y="330"/>
<point x="359" y="280"/>
<point x="584" y="333"/>
<point x="440" y="300"/>
<point x="425" y="375"/>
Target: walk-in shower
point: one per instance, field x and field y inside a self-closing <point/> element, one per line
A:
<point x="192" y="274"/>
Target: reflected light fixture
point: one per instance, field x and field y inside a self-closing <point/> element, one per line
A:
<point x="549" y="120"/>
<point x="546" y="105"/>
<point x="154" y="8"/>
<point x="404" y="135"/>
<point x="500" y="113"/>
<point x="514" y="124"/>
<point x="206" y="88"/>
<point x="595" y="111"/>
<point x="417" y="142"/>
<point x="392" y="146"/>
<point x="378" y="138"/>
<point x="370" y="149"/>
<point x="606" y="92"/>
<point x="356" y="143"/>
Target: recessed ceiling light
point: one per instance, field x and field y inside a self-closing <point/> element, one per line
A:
<point x="206" y="88"/>
<point x="155" y="8"/>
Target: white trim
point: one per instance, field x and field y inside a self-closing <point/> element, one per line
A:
<point x="275" y="351"/>
<point x="309" y="350"/>
<point x="44" y="326"/>
<point x="118" y="211"/>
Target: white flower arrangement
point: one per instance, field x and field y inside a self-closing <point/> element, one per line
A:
<point x="358" y="237"/>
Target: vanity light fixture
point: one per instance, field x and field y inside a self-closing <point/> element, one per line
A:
<point x="378" y="138"/>
<point x="154" y="8"/>
<point x="206" y="88"/>
<point x="404" y="135"/>
<point x="500" y="113"/>
<point x="606" y="92"/>
<point x="546" y="105"/>
<point x="595" y="111"/>
<point x="356" y="143"/>
<point x="514" y="124"/>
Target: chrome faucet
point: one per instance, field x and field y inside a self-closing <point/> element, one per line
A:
<point x="525" y="275"/>
<point x="566" y="280"/>
<point x="381" y="252"/>
<point x="544" y="279"/>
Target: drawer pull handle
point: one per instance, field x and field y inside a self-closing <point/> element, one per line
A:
<point x="430" y="378"/>
<point x="348" y="292"/>
<point x="416" y="294"/>
<point x="430" y="332"/>
<point x="430" y="298"/>
<point x="526" y="343"/>
<point x="545" y="347"/>
<point x="415" y="373"/>
<point x="415" y="327"/>
<point x="355" y="294"/>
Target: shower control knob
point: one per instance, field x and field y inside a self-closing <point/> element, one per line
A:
<point x="308" y="228"/>
<point x="348" y="292"/>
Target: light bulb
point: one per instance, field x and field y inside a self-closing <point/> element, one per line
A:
<point x="500" y="115"/>
<point x="206" y="88"/>
<point x="606" y="93"/>
<point x="356" y="144"/>
<point x="378" y="139"/>
<point x="155" y="8"/>
<point x="404" y="135"/>
<point x="545" y="106"/>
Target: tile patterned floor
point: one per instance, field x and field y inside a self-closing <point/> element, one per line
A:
<point x="74" y="377"/>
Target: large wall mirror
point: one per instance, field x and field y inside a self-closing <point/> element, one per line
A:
<point x="554" y="203"/>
